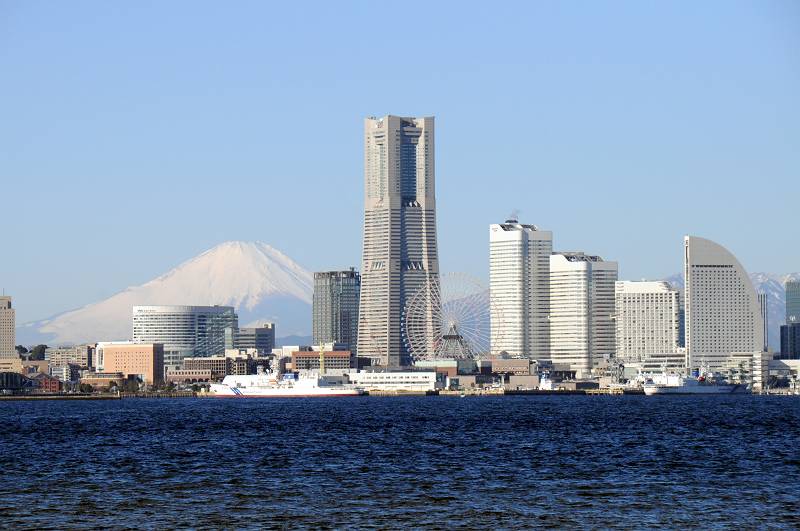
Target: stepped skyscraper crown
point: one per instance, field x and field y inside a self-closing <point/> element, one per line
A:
<point x="399" y="253"/>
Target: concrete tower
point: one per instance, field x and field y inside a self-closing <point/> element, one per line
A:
<point x="7" y="328"/>
<point x="582" y="331"/>
<point x="399" y="247"/>
<point x="335" y="310"/>
<point x="519" y="281"/>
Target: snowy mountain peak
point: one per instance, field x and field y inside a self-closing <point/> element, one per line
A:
<point x="261" y="282"/>
<point x="241" y="273"/>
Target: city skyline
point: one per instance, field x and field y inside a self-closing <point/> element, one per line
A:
<point x="598" y="116"/>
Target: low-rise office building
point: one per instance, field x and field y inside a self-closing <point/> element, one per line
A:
<point x="11" y="364"/>
<point x="103" y="380"/>
<point x="396" y="381"/>
<point x="313" y="360"/>
<point x="189" y="376"/>
<point x="449" y="367"/>
<point x="517" y="366"/>
<point x="141" y="360"/>
<point x="81" y="355"/>
<point x="233" y="362"/>
<point x="216" y="365"/>
<point x="66" y="373"/>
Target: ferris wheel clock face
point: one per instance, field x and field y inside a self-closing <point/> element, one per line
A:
<point x="449" y="318"/>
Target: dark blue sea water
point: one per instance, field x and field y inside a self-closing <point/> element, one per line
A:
<point x="501" y="462"/>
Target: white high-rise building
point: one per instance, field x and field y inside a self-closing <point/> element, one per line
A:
<point x="582" y="331"/>
<point x="399" y="253"/>
<point x="7" y="328"/>
<point x="185" y="331"/>
<point x="647" y="317"/>
<point x="723" y="314"/>
<point x="519" y="283"/>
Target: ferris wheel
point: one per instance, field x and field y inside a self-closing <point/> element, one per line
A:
<point x="449" y="318"/>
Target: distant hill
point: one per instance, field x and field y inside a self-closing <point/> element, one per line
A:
<point x="262" y="283"/>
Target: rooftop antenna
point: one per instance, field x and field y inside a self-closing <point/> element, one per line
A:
<point x="514" y="216"/>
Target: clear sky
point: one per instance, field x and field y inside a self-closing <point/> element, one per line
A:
<point x="135" y="135"/>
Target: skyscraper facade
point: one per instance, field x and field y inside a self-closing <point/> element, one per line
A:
<point x="335" y="309"/>
<point x="582" y="331"/>
<point x="792" y="301"/>
<point x="185" y="331"/>
<point x="723" y="313"/>
<point x="7" y="328"/>
<point x="647" y="319"/>
<point x="399" y="247"/>
<point x="261" y="338"/>
<point x="519" y="285"/>
<point x="790" y="341"/>
<point x="763" y="305"/>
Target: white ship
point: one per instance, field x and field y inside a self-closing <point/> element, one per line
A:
<point x="271" y="385"/>
<point x="678" y="384"/>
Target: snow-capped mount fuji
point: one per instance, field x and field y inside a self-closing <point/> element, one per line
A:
<point x="262" y="283"/>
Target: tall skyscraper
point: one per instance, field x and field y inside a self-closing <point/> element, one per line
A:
<point x="582" y="331"/>
<point x="335" y="310"/>
<point x="185" y="331"/>
<point x="790" y="341"/>
<point x="763" y="305"/>
<point x="647" y="318"/>
<point x="723" y="314"/>
<point x="7" y="328"/>
<point x="792" y="288"/>
<point x="399" y="249"/>
<point x="519" y="283"/>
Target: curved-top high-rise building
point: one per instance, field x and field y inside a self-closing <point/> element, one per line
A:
<point x="399" y="253"/>
<point x="723" y="314"/>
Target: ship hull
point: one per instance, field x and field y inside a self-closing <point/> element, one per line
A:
<point x="224" y="391"/>
<point x="651" y="390"/>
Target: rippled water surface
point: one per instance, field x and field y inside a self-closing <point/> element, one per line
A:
<point x="500" y="462"/>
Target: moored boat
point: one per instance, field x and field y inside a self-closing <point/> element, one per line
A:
<point x="678" y="384"/>
<point x="271" y="385"/>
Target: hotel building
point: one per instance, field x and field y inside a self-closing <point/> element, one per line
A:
<point x="723" y="313"/>
<point x="185" y="331"/>
<point x="647" y="319"/>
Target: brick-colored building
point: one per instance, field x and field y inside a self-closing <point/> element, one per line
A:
<point x="310" y="360"/>
<point x="189" y="376"/>
<point x="102" y="380"/>
<point x="142" y="360"/>
<point x="46" y="383"/>
<point x="221" y="366"/>
<point x="517" y="366"/>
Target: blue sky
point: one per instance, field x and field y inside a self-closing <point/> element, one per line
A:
<point x="134" y="135"/>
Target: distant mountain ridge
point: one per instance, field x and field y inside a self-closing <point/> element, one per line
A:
<point x="262" y="283"/>
<point x="772" y="285"/>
